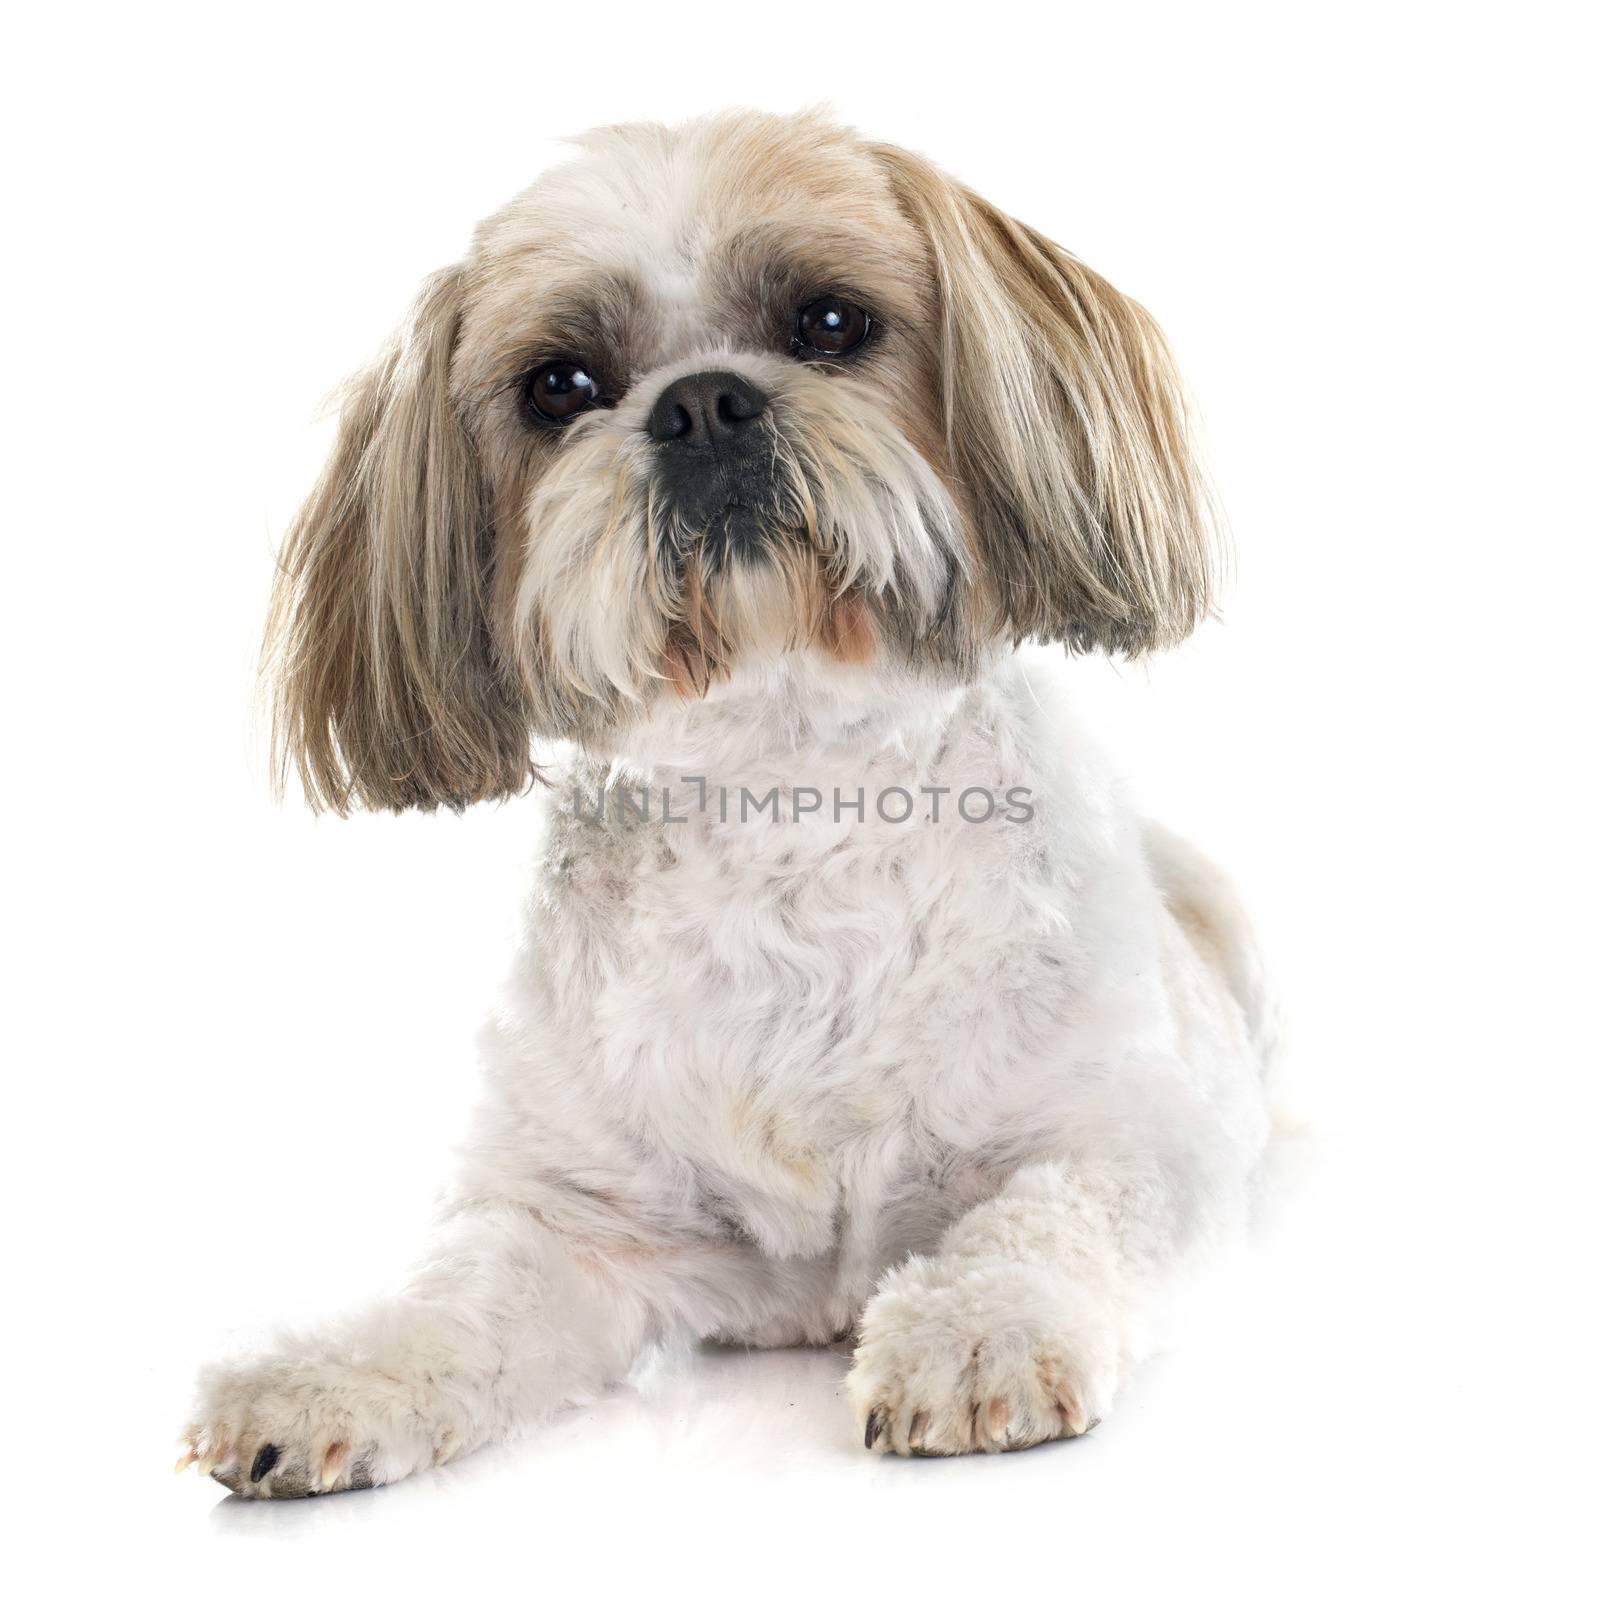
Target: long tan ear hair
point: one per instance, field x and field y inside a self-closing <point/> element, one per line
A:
<point x="1066" y="427"/>
<point x="387" y="689"/>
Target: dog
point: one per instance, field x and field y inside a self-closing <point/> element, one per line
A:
<point x="713" y="494"/>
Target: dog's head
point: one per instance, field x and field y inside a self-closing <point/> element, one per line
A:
<point x="749" y="386"/>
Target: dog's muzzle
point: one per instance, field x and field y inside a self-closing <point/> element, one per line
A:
<point x="716" y="469"/>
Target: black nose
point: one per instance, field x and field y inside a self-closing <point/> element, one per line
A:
<point x="706" y="408"/>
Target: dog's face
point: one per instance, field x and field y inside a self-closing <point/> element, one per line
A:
<point x="750" y="386"/>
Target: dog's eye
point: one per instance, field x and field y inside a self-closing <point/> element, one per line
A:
<point x="561" y="391"/>
<point x="831" y="327"/>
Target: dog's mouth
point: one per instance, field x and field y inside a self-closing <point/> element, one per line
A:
<point x="739" y="530"/>
<point x="740" y="561"/>
<point x="770" y="594"/>
<point x="719" y="508"/>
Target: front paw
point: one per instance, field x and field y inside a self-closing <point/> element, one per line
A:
<point x="964" y="1356"/>
<point x="298" y="1425"/>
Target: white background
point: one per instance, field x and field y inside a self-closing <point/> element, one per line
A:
<point x="241" y="1041"/>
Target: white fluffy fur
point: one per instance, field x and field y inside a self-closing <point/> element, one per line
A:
<point x="972" y="1092"/>
<point x="978" y="1088"/>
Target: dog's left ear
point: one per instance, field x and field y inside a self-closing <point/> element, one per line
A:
<point x="1066" y="428"/>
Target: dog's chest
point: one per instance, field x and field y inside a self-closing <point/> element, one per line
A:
<point x="815" y="1024"/>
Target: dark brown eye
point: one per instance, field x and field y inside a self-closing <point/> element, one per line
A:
<point x="561" y="391"/>
<point x="831" y="327"/>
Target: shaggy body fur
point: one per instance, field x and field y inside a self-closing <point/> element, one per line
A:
<point x="972" y="1091"/>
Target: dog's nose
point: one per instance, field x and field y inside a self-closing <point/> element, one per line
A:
<point x="705" y="408"/>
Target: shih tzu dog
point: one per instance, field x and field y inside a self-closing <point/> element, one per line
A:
<point x="735" y="461"/>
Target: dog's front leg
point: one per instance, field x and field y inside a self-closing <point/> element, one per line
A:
<point x="1014" y="1331"/>
<point x="502" y="1324"/>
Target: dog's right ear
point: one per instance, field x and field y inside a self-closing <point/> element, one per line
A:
<point x="388" y="688"/>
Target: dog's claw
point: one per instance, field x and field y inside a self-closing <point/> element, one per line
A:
<point x="876" y="1423"/>
<point x="1075" y="1419"/>
<point x="266" y="1459"/>
<point x="999" y="1418"/>
<point x="333" y="1459"/>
